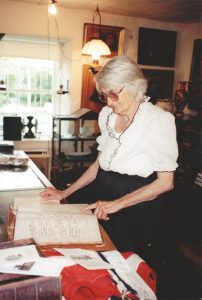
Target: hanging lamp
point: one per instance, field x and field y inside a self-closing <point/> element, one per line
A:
<point x="52" y="9"/>
<point x="96" y="47"/>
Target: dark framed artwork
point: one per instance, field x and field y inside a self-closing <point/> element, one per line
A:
<point x="89" y="96"/>
<point x="196" y="65"/>
<point x="195" y="95"/>
<point x="113" y="36"/>
<point x="160" y="83"/>
<point x="156" y="47"/>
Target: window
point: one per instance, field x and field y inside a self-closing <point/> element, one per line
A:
<point x="29" y="90"/>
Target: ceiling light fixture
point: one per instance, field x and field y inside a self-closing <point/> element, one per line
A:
<point x="52" y="9"/>
<point x="96" y="47"/>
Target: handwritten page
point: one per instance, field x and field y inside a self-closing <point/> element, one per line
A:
<point x="57" y="226"/>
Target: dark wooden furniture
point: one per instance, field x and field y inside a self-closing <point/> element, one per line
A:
<point x="188" y="191"/>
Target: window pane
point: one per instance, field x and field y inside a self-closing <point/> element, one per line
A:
<point x="45" y="98"/>
<point x="3" y="100"/>
<point x="11" y="80"/>
<point x="12" y="98"/>
<point x="22" y="80"/>
<point x="38" y="81"/>
<point x="46" y="81"/>
<point x="23" y="99"/>
<point x="33" y="80"/>
<point x="29" y="89"/>
<point x="35" y="100"/>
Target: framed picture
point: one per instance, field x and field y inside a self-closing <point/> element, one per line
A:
<point x="196" y="66"/>
<point x="89" y="96"/>
<point x="160" y="83"/>
<point x="195" y="95"/>
<point x="113" y="36"/>
<point x="156" y="47"/>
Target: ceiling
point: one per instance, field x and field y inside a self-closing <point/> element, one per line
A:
<point x="182" y="11"/>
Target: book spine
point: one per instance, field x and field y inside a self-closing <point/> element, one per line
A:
<point x="41" y="288"/>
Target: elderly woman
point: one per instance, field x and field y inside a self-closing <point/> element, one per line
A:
<point x="136" y="161"/>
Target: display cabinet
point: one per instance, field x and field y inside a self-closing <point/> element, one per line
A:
<point x="73" y="142"/>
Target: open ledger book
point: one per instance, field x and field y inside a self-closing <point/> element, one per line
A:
<point x="55" y="223"/>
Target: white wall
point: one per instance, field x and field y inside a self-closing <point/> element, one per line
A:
<point x="32" y="19"/>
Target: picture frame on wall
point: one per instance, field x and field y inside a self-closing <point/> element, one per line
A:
<point x="195" y="79"/>
<point x="113" y="36"/>
<point x="89" y="96"/>
<point x="156" y="47"/>
<point x="196" y="65"/>
<point x="160" y="84"/>
<point x="195" y="95"/>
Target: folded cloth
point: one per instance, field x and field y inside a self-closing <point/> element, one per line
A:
<point x="81" y="284"/>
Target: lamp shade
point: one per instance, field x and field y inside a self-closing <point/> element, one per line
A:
<point x="96" y="48"/>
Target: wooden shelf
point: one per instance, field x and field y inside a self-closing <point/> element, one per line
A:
<point x="61" y="141"/>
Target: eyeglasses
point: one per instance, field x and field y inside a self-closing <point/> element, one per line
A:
<point x="114" y="96"/>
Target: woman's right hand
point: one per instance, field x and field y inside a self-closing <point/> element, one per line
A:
<point x="53" y="194"/>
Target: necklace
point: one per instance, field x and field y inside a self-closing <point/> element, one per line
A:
<point x="117" y="138"/>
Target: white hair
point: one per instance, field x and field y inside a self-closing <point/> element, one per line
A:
<point x="122" y="71"/>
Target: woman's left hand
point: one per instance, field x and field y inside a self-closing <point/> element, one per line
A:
<point x="103" y="208"/>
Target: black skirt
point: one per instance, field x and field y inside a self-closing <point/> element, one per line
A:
<point x="140" y="228"/>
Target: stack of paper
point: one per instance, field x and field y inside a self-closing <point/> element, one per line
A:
<point x="26" y="260"/>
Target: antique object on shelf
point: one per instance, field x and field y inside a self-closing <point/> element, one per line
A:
<point x="181" y="96"/>
<point x="30" y="134"/>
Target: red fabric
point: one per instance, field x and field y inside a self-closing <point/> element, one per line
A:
<point x="81" y="284"/>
